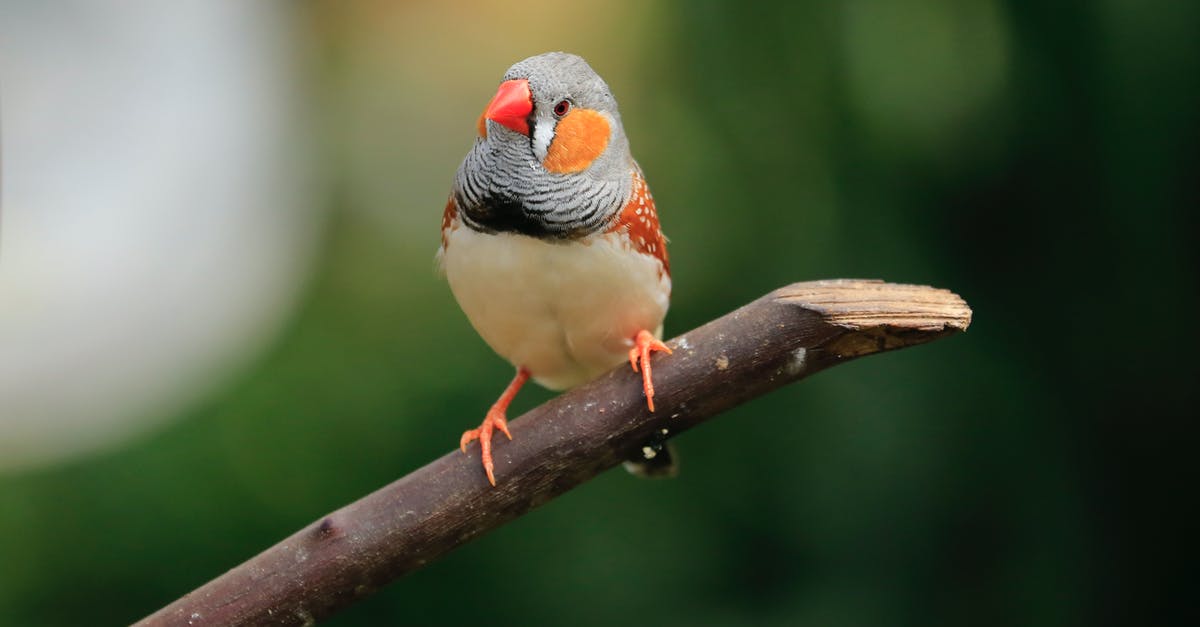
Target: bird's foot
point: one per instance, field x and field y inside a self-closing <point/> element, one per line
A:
<point x="644" y="344"/>
<point x="495" y="419"/>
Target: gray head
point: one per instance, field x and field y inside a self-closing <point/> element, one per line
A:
<point x="551" y="159"/>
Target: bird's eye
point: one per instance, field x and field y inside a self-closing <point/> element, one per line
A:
<point x="561" y="108"/>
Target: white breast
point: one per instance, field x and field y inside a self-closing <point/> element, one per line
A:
<point x="567" y="311"/>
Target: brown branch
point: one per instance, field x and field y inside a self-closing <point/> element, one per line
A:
<point x="782" y="337"/>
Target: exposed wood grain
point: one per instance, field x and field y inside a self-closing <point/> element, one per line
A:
<point x="780" y="338"/>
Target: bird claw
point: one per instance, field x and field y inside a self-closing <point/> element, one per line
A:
<point x="643" y="345"/>
<point x="495" y="419"/>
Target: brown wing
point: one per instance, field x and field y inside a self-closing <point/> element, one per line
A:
<point x="639" y="221"/>
<point x="449" y="216"/>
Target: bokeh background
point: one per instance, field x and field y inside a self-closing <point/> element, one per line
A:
<point x="219" y="315"/>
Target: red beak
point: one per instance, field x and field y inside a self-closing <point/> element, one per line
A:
<point x="511" y="106"/>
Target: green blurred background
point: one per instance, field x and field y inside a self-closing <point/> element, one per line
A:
<point x="1040" y="159"/>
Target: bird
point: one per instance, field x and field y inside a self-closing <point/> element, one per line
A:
<point x="551" y="243"/>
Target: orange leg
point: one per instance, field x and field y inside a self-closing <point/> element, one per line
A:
<point x="494" y="420"/>
<point x="643" y="345"/>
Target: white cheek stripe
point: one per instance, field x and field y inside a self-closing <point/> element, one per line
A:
<point x="543" y="134"/>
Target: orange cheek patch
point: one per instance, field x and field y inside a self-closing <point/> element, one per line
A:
<point x="579" y="138"/>
<point x="481" y="124"/>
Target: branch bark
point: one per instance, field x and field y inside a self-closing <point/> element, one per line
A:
<point x="782" y="337"/>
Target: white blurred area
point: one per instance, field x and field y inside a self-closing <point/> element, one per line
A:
<point x="158" y="215"/>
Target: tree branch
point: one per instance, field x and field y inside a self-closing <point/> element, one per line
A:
<point x="782" y="337"/>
